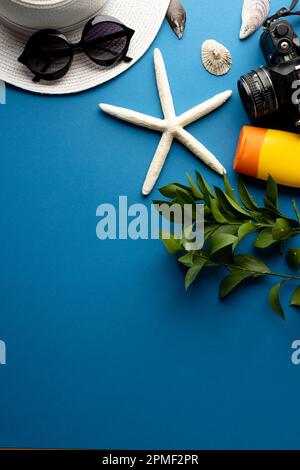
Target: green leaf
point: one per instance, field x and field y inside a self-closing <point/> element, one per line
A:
<point x="230" y="229"/>
<point x="195" y="190"/>
<point x="293" y="257"/>
<point x="203" y="255"/>
<point x="264" y="214"/>
<point x="232" y="281"/>
<point x="271" y="199"/>
<point x="226" y="206"/>
<point x="220" y="241"/>
<point x="173" y="245"/>
<point x="295" y="300"/>
<point x="229" y="205"/>
<point x="209" y="230"/>
<point x="187" y="259"/>
<point x="228" y="189"/>
<point x="203" y="185"/>
<point x="207" y="212"/>
<point x="251" y="263"/>
<point x="282" y="230"/>
<point x="274" y="299"/>
<point x="182" y="197"/>
<point x="170" y="190"/>
<point x="218" y="216"/>
<point x="246" y="229"/>
<point x="245" y="196"/>
<point x="193" y="273"/>
<point x="264" y="239"/>
<point x="296" y="210"/>
<point x="206" y="190"/>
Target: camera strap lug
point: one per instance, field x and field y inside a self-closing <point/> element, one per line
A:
<point x="283" y="12"/>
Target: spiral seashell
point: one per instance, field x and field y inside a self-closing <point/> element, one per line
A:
<point x="216" y="58"/>
<point x="254" y="13"/>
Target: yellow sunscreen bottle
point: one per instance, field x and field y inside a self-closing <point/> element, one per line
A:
<point x="264" y="152"/>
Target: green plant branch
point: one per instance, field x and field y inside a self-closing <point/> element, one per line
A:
<point x="229" y="219"/>
<point x="235" y="267"/>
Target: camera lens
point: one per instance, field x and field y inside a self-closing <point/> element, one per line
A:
<point x="258" y="94"/>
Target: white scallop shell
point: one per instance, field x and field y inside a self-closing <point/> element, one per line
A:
<point x="254" y="13"/>
<point x="215" y="57"/>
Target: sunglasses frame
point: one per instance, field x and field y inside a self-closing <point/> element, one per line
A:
<point x="75" y="48"/>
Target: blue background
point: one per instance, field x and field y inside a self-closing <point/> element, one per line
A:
<point x="104" y="347"/>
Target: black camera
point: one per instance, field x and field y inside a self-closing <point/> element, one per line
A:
<point x="273" y="88"/>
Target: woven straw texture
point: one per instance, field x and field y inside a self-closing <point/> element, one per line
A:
<point x="144" y="16"/>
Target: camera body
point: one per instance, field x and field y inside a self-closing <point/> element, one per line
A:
<point x="273" y="88"/>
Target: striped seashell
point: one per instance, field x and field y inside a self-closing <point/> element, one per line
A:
<point x="254" y="13"/>
<point x="216" y="58"/>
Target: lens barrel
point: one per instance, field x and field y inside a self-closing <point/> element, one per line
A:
<point x="258" y="94"/>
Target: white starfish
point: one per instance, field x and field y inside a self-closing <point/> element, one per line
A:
<point x="172" y="126"/>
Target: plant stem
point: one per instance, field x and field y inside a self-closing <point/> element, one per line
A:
<point x="284" y="276"/>
<point x="266" y="273"/>
<point x="240" y="268"/>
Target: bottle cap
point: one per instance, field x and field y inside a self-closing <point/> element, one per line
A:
<point x="247" y="155"/>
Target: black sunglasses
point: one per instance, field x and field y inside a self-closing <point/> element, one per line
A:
<point x="49" y="54"/>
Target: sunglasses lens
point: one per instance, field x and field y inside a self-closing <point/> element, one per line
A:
<point x="47" y="54"/>
<point x="105" y="41"/>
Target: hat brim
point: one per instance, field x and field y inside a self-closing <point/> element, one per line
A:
<point x="144" y="16"/>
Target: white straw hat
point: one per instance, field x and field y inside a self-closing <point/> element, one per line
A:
<point x="20" y="18"/>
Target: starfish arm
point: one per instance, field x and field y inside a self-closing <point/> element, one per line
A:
<point x="157" y="163"/>
<point x="200" y="151"/>
<point x="204" y="108"/>
<point x="163" y="85"/>
<point x="133" y="117"/>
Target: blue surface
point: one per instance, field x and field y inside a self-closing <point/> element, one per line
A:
<point x="104" y="347"/>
